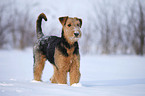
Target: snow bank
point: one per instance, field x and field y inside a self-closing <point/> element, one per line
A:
<point x="101" y="76"/>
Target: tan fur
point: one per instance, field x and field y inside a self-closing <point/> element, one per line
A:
<point x="66" y="64"/>
<point x="72" y="62"/>
<point x="69" y="31"/>
<point x="63" y="64"/>
<point x="39" y="66"/>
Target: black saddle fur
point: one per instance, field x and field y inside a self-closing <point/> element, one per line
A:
<point x="48" y="44"/>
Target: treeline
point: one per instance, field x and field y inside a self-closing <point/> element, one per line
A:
<point x="16" y="27"/>
<point x="110" y="30"/>
<point x="117" y="30"/>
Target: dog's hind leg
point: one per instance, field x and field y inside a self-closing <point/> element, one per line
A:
<point x="39" y="62"/>
<point x="53" y="78"/>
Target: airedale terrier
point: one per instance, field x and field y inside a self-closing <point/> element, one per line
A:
<point x="62" y="52"/>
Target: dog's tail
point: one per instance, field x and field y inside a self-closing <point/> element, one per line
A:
<point x="38" y="25"/>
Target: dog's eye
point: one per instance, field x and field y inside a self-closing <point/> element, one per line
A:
<point x="69" y="25"/>
<point x="78" y="24"/>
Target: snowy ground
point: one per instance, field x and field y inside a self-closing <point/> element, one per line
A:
<point x="101" y="76"/>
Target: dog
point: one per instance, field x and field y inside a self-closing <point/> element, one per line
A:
<point x="62" y="52"/>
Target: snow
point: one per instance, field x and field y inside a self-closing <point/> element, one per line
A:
<point x="101" y="75"/>
<point x="76" y="85"/>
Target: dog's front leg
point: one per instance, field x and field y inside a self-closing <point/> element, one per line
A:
<point x="74" y="75"/>
<point x="60" y="73"/>
<point x="75" y="72"/>
<point x="61" y="76"/>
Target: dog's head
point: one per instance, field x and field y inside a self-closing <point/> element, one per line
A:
<point x="71" y="28"/>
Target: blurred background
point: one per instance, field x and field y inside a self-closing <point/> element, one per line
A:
<point x="109" y="26"/>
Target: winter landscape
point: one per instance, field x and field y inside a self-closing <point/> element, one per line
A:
<point x="112" y="47"/>
<point x="101" y="76"/>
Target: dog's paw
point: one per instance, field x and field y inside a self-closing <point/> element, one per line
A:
<point x="35" y="81"/>
<point x="76" y="85"/>
<point x="62" y="84"/>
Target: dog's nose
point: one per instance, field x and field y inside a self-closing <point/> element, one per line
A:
<point x="76" y="34"/>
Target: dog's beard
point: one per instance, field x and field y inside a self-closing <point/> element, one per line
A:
<point x="74" y="38"/>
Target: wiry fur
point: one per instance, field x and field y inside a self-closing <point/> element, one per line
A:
<point x="38" y="25"/>
<point x="62" y="52"/>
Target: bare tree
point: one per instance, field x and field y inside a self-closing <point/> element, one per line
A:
<point x="141" y="28"/>
<point x="26" y="30"/>
<point x="3" y="26"/>
<point x="18" y="24"/>
<point x="117" y="36"/>
<point x="136" y="26"/>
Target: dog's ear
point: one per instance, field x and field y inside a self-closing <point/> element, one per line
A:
<point x="63" y="20"/>
<point x="80" y="20"/>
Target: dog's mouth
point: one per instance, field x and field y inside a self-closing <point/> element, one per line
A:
<point x="75" y="38"/>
